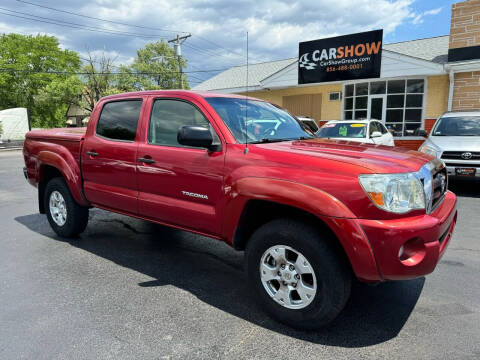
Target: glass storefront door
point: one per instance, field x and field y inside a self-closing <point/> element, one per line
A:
<point x="377" y="108"/>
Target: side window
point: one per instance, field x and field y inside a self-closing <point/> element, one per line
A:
<point x="168" y="116"/>
<point x="373" y="128"/>
<point x="119" y="119"/>
<point x="382" y="128"/>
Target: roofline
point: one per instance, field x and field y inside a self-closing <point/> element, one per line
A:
<point x="259" y="63"/>
<point x="296" y="58"/>
<point x="425" y="38"/>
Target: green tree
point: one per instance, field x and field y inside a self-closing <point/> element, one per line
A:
<point x="158" y="58"/>
<point x="155" y="67"/>
<point x="27" y="77"/>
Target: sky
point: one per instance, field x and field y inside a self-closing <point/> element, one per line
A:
<point x="219" y="28"/>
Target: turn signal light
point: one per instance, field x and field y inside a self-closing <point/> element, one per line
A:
<point x="377" y="198"/>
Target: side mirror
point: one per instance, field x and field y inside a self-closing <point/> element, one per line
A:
<point x="420" y="132"/>
<point x="196" y="136"/>
<point x="376" y="134"/>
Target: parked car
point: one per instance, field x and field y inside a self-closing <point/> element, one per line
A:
<point x="311" y="214"/>
<point x="310" y="123"/>
<point x="364" y="131"/>
<point x="455" y="138"/>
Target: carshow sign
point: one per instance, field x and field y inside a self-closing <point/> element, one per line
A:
<point x="348" y="57"/>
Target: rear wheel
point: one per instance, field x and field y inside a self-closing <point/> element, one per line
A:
<point x="66" y="217"/>
<point x="297" y="275"/>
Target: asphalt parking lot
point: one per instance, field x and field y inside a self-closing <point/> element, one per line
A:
<point x="127" y="289"/>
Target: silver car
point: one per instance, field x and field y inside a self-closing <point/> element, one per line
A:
<point x="455" y="138"/>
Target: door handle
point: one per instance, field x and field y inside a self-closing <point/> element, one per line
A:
<point x="146" y="160"/>
<point x="92" y="153"/>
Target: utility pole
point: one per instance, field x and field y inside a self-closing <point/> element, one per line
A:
<point x="177" y="46"/>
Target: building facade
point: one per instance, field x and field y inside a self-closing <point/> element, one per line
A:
<point x="419" y="80"/>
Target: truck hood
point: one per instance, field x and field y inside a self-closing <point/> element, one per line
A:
<point x="376" y="158"/>
<point x="456" y="143"/>
<point x="68" y="134"/>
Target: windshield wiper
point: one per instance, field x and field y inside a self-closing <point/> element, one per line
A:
<point x="267" y="140"/>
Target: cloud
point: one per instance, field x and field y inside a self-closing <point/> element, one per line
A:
<point x="418" y="18"/>
<point x="433" y="11"/>
<point x="218" y="27"/>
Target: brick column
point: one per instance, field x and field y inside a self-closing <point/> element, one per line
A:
<point x="464" y="45"/>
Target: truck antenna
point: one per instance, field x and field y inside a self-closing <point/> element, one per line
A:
<point x="246" y="107"/>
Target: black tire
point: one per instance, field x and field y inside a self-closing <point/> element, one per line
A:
<point x="333" y="274"/>
<point x="77" y="216"/>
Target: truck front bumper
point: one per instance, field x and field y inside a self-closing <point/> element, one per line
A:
<point x="411" y="247"/>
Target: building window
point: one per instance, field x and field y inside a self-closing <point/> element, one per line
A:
<point x="399" y="103"/>
<point x="334" y="96"/>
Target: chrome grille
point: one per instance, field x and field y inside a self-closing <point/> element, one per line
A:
<point x="439" y="186"/>
<point x="457" y="155"/>
<point x="433" y="176"/>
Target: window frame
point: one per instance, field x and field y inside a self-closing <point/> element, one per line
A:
<point x="138" y="120"/>
<point x="204" y="113"/>
<point x="406" y="93"/>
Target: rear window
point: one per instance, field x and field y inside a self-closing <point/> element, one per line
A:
<point x="343" y="130"/>
<point x="119" y="120"/>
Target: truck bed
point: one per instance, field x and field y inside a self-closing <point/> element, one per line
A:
<point x="63" y="134"/>
<point x="68" y="138"/>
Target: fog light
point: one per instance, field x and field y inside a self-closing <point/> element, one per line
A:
<point x="412" y="252"/>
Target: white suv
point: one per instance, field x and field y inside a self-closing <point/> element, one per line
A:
<point x="455" y="138"/>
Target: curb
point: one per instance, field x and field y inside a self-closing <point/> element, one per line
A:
<point x="10" y="148"/>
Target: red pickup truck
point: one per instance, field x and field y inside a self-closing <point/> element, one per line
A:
<point x="311" y="214"/>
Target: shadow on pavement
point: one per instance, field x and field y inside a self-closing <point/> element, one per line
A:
<point x="464" y="187"/>
<point x="213" y="272"/>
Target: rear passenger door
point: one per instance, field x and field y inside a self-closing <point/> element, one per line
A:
<point x="109" y="156"/>
<point x="179" y="185"/>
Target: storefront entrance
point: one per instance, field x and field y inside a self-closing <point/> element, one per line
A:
<point x="377" y="107"/>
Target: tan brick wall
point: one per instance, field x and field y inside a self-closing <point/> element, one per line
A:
<point x="437" y="96"/>
<point x="465" y="24"/>
<point x="466" y="91"/>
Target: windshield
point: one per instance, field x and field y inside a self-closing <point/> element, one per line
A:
<point x="343" y="130"/>
<point x="265" y="122"/>
<point x="457" y="126"/>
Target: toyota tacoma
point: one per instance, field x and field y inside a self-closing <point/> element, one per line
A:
<point x="311" y="214"/>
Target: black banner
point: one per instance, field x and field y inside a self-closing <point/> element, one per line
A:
<point x="465" y="53"/>
<point x="348" y="57"/>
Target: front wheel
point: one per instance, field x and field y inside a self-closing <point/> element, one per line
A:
<point x="297" y="274"/>
<point x="66" y="217"/>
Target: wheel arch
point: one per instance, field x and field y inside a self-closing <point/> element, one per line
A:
<point x="50" y="165"/>
<point x="257" y="201"/>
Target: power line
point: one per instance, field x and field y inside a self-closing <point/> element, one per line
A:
<point x="219" y="46"/>
<point x="94" y="29"/>
<point x="100" y="19"/>
<point x="204" y="51"/>
<point x="126" y="24"/>
<point x="101" y="73"/>
<point x="73" y="25"/>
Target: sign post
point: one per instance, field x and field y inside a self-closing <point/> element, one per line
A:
<point x="348" y="57"/>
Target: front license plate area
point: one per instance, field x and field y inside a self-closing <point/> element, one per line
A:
<point x="465" y="171"/>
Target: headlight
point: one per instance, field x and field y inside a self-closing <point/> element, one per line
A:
<point x="398" y="193"/>
<point x="429" y="150"/>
